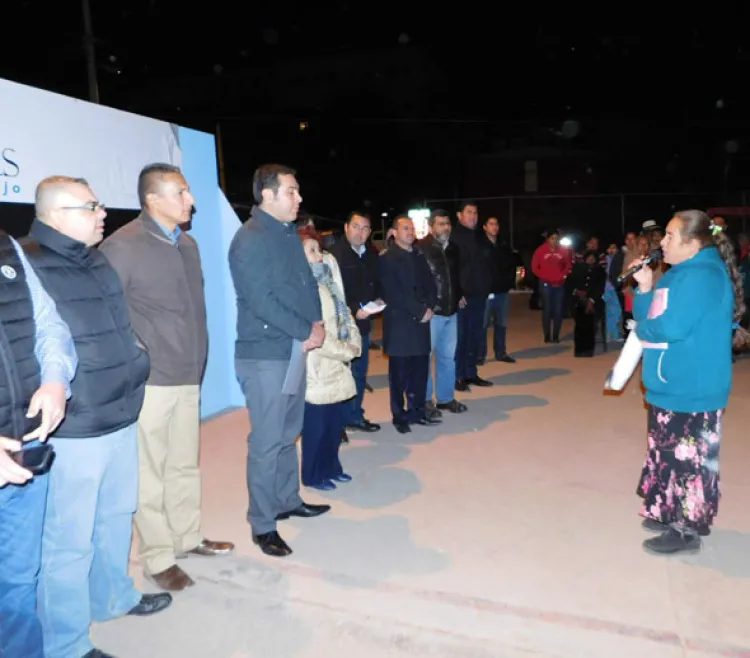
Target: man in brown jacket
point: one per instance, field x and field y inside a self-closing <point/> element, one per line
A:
<point x="161" y="273"/>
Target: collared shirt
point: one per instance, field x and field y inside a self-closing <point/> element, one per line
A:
<point x="174" y="236"/>
<point x="360" y="251"/>
<point x="54" y="347"/>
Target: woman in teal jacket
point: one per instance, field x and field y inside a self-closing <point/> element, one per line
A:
<point x="686" y="323"/>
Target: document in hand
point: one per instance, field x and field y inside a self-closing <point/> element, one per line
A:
<point x="295" y="373"/>
<point x="372" y="308"/>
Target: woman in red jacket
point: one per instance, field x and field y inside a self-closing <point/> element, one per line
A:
<point x="552" y="265"/>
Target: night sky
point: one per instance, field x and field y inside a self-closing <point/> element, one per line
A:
<point x="651" y="105"/>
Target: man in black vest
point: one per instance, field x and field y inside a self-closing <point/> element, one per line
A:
<point x="93" y="489"/>
<point x="442" y="258"/>
<point x="410" y="295"/>
<point x="358" y="262"/>
<point x="278" y="321"/>
<point x="37" y="363"/>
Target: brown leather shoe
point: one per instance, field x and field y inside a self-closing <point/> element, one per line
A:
<point x="173" y="579"/>
<point x="208" y="548"/>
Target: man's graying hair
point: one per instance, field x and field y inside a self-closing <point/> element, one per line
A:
<point x="49" y="188"/>
<point x="438" y="212"/>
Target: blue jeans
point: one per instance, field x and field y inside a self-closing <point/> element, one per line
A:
<point x="93" y="492"/>
<point x="354" y="414"/>
<point x="444" y="334"/>
<point x="21" y="518"/>
<point x="552" y="315"/>
<point x="495" y="315"/>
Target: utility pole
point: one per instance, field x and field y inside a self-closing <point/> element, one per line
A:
<point x="88" y="42"/>
<point x="220" y="157"/>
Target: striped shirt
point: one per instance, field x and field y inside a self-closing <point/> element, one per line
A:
<point x="54" y="347"/>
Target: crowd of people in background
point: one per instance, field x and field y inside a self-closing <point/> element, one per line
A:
<point x="108" y="347"/>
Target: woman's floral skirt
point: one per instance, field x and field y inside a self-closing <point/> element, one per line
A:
<point x="680" y="479"/>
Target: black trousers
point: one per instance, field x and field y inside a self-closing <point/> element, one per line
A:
<point x="407" y="378"/>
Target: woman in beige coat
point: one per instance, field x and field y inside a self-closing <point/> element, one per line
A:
<point x="329" y="377"/>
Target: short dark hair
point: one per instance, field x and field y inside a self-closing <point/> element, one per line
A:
<point x="357" y="213"/>
<point x="398" y="218"/>
<point x="466" y="202"/>
<point x="149" y="177"/>
<point x="438" y="212"/>
<point x="266" y="177"/>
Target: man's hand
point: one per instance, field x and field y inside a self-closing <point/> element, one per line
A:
<point x="462" y="302"/>
<point x="10" y="472"/>
<point x="644" y="277"/>
<point x="50" y="400"/>
<point x="427" y="316"/>
<point x="362" y="314"/>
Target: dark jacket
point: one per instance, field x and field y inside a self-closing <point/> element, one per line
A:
<point x="163" y="285"/>
<point x="19" y="369"/>
<point x="615" y="268"/>
<point x="501" y="262"/>
<point x="474" y="272"/>
<point x="361" y="276"/>
<point x="408" y="291"/>
<point x="277" y="294"/>
<point x="443" y="264"/>
<point x="107" y="391"/>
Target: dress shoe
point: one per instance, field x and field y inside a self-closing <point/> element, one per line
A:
<point x="98" y="653"/>
<point x="208" y="548"/>
<point x="271" y="544"/>
<point x="454" y="406"/>
<point x="432" y="411"/>
<point x="428" y="421"/>
<point x="151" y="604"/>
<point x="402" y="428"/>
<point x="364" y="426"/>
<point x="478" y="381"/>
<point x="506" y="358"/>
<point x="344" y="437"/>
<point x="462" y="385"/>
<point x="342" y="477"/>
<point x="325" y="485"/>
<point x="305" y="511"/>
<point x="173" y="579"/>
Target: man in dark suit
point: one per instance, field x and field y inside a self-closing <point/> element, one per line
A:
<point x="410" y="296"/>
<point x="358" y="262"/>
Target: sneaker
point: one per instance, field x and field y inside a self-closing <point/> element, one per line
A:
<point x="652" y="525"/>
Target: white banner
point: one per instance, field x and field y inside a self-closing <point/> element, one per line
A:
<point x="44" y="134"/>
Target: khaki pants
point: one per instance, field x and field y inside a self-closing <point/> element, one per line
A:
<point x="168" y="518"/>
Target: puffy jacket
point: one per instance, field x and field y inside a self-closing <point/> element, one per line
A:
<point x="329" y="375"/>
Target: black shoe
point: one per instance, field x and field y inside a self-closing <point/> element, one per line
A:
<point x="673" y="541"/>
<point x="478" y="381"/>
<point x="555" y="341"/>
<point x="547" y="340"/>
<point x="97" y="653"/>
<point x="652" y="525"/>
<point x="454" y="406"/>
<point x="506" y="358"/>
<point x="271" y="544"/>
<point x="364" y="426"/>
<point x="462" y="385"/>
<point x="150" y="604"/>
<point x="431" y="411"/>
<point x="305" y="511"/>
<point x="426" y="420"/>
<point x="402" y="428"/>
<point x="344" y="437"/>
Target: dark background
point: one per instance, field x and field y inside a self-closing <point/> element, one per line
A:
<point x="389" y="106"/>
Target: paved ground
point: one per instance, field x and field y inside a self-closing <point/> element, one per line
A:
<point x="508" y="531"/>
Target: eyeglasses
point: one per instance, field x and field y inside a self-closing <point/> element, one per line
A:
<point x="92" y="206"/>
